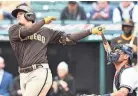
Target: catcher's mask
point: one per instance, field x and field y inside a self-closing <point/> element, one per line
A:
<point x="29" y="13"/>
<point x="114" y="55"/>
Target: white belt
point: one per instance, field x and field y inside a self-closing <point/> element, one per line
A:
<point x="45" y="65"/>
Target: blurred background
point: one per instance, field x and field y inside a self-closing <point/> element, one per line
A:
<point x="86" y="59"/>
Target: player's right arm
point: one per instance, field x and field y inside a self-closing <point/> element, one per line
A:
<point x="128" y="83"/>
<point x="19" y="32"/>
<point x="122" y="92"/>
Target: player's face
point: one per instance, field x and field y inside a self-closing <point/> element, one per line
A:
<point x="20" y="17"/>
<point x="121" y="57"/>
<point x="127" y="30"/>
<point x="61" y="73"/>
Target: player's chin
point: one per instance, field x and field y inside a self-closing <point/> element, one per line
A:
<point x="20" y="22"/>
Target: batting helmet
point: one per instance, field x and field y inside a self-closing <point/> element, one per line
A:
<point x="29" y="13"/>
<point x="128" y="23"/>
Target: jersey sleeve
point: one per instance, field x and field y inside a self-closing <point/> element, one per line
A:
<point x="14" y="32"/>
<point x="59" y="37"/>
<point x="128" y="79"/>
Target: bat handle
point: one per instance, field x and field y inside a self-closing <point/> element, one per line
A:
<point x="131" y="42"/>
<point x="103" y="38"/>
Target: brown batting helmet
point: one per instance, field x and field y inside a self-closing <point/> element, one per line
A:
<point x="29" y="13"/>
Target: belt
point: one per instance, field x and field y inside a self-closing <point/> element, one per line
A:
<point x="33" y="67"/>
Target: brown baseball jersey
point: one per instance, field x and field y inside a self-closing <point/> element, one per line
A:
<point x="30" y="43"/>
<point x="122" y="40"/>
<point x="32" y="49"/>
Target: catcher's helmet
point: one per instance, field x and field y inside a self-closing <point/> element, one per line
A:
<point x="29" y="13"/>
<point x="128" y="23"/>
<point x="126" y="49"/>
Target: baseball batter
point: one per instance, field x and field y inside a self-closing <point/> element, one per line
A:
<point x="29" y="42"/>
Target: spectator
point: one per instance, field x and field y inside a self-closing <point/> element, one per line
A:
<point x="63" y="84"/>
<point x="126" y="10"/>
<point x="73" y="12"/>
<point x="15" y="89"/>
<point x="4" y="14"/>
<point x="102" y="11"/>
<point x="1" y="13"/>
<point x="5" y="79"/>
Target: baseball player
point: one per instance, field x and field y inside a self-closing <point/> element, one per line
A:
<point x="125" y="38"/>
<point x="29" y="42"/>
<point x="126" y="77"/>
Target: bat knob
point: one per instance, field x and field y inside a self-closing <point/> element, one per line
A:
<point x="100" y="28"/>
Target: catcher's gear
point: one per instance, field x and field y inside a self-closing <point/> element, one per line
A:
<point x="114" y="55"/>
<point x="29" y="13"/>
<point x="126" y="49"/>
<point x="49" y="19"/>
<point x="98" y="30"/>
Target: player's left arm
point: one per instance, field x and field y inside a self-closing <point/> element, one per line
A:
<point x="67" y="39"/>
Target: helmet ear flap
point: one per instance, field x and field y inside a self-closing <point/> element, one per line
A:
<point x="29" y="16"/>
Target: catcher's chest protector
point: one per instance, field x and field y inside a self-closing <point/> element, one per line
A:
<point x="117" y="81"/>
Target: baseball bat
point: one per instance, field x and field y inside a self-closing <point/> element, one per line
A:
<point x="105" y="42"/>
<point x="132" y="41"/>
<point x="107" y="47"/>
<point x="134" y="35"/>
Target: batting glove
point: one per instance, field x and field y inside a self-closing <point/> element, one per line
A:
<point x="49" y="19"/>
<point x="98" y="30"/>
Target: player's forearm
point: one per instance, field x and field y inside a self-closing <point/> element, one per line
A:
<point x="79" y="35"/>
<point x="121" y="92"/>
<point x="26" y="31"/>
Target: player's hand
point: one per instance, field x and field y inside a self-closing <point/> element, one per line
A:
<point x="49" y="19"/>
<point x="98" y="30"/>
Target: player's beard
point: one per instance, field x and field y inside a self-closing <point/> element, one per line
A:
<point x="21" y="24"/>
<point x="128" y="33"/>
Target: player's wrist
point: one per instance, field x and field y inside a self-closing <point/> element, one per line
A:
<point x="89" y="31"/>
